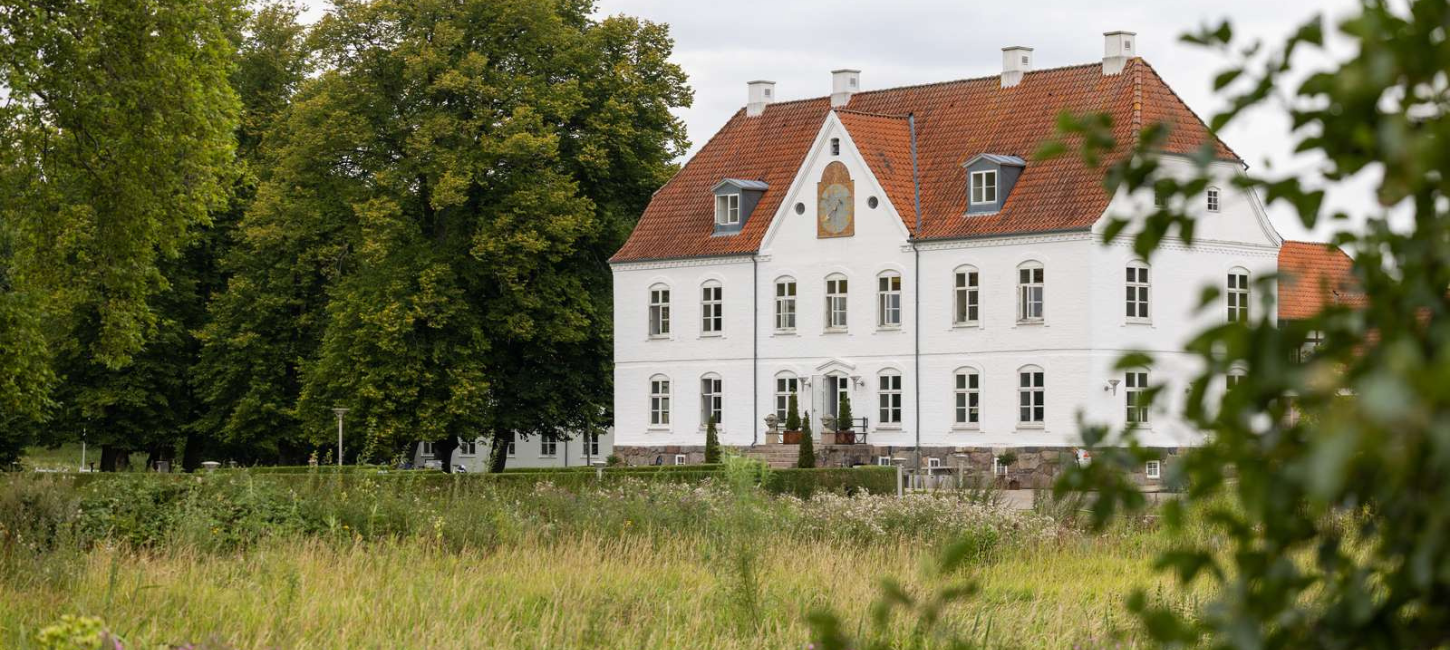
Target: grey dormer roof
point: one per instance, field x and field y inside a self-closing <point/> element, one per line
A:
<point x="999" y="159"/>
<point x="742" y="184"/>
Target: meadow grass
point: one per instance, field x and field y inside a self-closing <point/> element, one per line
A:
<point x="643" y="566"/>
<point x="638" y="592"/>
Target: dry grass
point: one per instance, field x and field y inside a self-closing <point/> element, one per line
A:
<point x="655" y="591"/>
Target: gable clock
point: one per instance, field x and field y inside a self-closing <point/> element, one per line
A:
<point x="836" y="202"/>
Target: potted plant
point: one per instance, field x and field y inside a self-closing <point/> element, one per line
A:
<point x="792" y="421"/>
<point x="1005" y="461"/>
<point x="844" y="422"/>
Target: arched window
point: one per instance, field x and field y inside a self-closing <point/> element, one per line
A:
<point x="659" y="401"/>
<point x="659" y="310"/>
<point x="1213" y="199"/>
<point x="836" y="302"/>
<point x="966" y="297"/>
<point x="712" y="308"/>
<point x="1237" y="293"/>
<point x="888" y="300"/>
<point x="785" y="304"/>
<point x="711" y="398"/>
<point x="1137" y="291"/>
<point x="1136" y="396"/>
<point x="786" y="384"/>
<point x="968" y="397"/>
<point x="1031" y="396"/>
<point x="1030" y="292"/>
<point x="889" y="396"/>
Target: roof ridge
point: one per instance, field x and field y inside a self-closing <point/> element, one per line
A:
<point x="928" y="85"/>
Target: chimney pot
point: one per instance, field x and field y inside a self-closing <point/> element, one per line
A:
<point x="844" y="83"/>
<point x="761" y="93"/>
<point x="1016" y="61"/>
<point x="1118" y="48"/>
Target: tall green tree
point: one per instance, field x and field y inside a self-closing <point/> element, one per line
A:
<point x="254" y="333"/>
<point x="118" y="142"/>
<point x="429" y="244"/>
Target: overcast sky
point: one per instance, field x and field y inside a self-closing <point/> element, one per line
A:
<point x="796" y="43"/>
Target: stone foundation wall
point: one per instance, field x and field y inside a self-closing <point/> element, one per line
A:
<point x="1034" y="467"/>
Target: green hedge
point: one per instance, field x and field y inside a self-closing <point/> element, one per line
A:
<point x="799" y="482"/>
<point x="805" y="482"/>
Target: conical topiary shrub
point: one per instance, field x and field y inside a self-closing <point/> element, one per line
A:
<point x="808" y="447"/>
<point x="712" y="442"/>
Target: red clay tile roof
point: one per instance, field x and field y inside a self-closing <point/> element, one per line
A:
<point x="955" y="120"/>
<point x="885" y="143"/>
<point x="1313" y="276"/>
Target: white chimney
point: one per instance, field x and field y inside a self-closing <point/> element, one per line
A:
<point x="761" y="93"/>
<point x="1016" y="61"/>
<point x="843" y="84"/>
<point x="1117" y="49"/>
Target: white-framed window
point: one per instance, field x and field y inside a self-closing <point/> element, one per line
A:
<point x="468" y="448"/>
<point x="1213" y="199"/>
<point x="835" y="146"/>
<point x="967" y="397"/>
<point x="1238" y="296"/>
<point x="785" y="305"/>
<point x="591" y="444"/>
<point x="1031" y="396"/>
<point x="427" y="449"/>
<point x="1030" y="292"/>
<point x="1153" y="470"/>
<point x="727" y="209"/>
<point x="548" y="445"/>
<point x="836" y="302"/>
<point x="786" y="384"/>
<point x="512" y="449"/>
<point x="889" y="395"/>
<point x="659" y="310"/>
<point x="659" y="401"/>
<point x="884" y="461"/>
<point x="1136" y="394"/>
<point x="966" y="297"/>
<point x="1137" y="284"/>
<point x="679" y="459"/>
<point x="984" y="186"/>
<point x="711" y="399"/>
<point x="998" y="469"/>
<point x="932" y="463"/>
<point x="888" y="300"/>
<point x="712" y="308"/>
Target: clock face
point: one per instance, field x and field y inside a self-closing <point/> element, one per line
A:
<point x="836" y="208"/>
<point x="836" y="205"/>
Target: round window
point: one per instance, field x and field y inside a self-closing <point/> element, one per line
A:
<point x="800" y="208"/>
<point x="872" y="203"/>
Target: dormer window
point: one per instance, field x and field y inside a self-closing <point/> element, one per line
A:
<point x="735" y="198"/>
<point x="990" y="178"/>
<point x="727" y="210"/>
<point x="984" y="186"/>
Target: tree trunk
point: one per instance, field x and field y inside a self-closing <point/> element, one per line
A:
<point x="498" y="458"/>
<point x="114" y="459"/>
<point x="192" y="455"/>
<point x="443" y="451"/>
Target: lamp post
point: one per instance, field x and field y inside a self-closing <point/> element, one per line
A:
<point x="339" y="411"/>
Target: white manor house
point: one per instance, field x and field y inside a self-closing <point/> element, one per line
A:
<point x="902" y="247"/>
